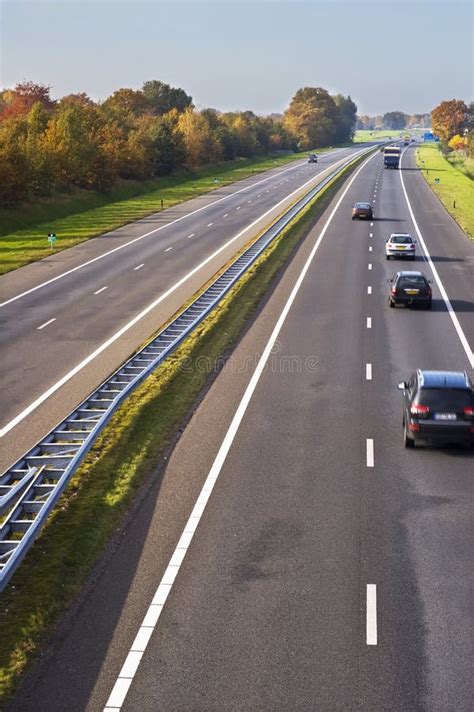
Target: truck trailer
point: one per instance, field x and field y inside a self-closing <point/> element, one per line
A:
<point x="391" y="156"/>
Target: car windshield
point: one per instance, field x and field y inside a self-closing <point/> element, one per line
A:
<point x="412" y="281"/>
<point x="448" y="399"/>
<point x="401" y="239"/>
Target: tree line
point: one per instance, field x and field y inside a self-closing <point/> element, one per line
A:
<point x="394" y="121"/>
<point x="48" y="146"/>
<point x="453" y="122"/>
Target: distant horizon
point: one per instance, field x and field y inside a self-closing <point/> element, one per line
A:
<point x="234" y="56"/>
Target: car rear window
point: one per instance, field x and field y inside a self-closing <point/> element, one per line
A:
<point x="363" y="205"/>
<point x="449" y="399"/>
<point x="415" y="281"/>
<point x="401" y="239"/>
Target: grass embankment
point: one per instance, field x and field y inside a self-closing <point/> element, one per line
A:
<point x="126" y="454"/>
<point x="455" y="188"/>
<point x="85" y="214"/>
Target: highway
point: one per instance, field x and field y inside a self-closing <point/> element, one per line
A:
<point x="291" y="554"/>
<point x="71" y="319"/>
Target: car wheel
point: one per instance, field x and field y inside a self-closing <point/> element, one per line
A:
<point x="408" y="442"/>
<point x="428" y="306"/>
<point x="391" y="303"/>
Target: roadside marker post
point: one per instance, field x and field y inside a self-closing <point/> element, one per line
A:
<point x="52" y="239"/>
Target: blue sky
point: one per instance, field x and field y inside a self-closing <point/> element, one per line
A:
<point x="229" y="54"/>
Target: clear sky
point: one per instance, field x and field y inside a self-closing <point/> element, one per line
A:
<point x="236" y="54"/>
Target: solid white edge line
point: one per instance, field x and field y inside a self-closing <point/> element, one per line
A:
<point x="370" y="452"/>
<point x="152" y="232"/>
<point x="121" y="686"/>
<point x="449" y="306"/>
<point x="368" y="371"/>
<point x="46" y="323"/>
<point x="102" y="289"/>
<point x="371" y="614"/>
<point x="138" y="317"/>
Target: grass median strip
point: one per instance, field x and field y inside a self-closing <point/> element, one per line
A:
<point x="85" y="214"/>
<point x="124" y="457"/>
<point x="453" y="187"/>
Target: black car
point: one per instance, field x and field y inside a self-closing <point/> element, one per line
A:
<point x="362" y="210"/>
<point x="438" y="408"/>
<point x="410" y="289"/>
<point x="312" y="158"/>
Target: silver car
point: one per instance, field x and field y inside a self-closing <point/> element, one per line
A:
<point x="400" y="244"/>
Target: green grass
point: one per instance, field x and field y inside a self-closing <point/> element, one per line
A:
<point x="455" y="188"/>
<point x="84" y="214"/>
<point x="126" y="454"/>
<point x="379" y="135"/>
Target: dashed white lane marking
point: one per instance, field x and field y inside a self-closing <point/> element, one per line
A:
<point x="369" y="290"/>
<point x="249" y="201"/>
<point x="370" y="452"/>
<point x="102" y="289"/>
<point x="46" y="323"/>
<point x="226" y="215"/>
<point x="371" y="614"/>
<point x="210" y="224"/>
<point x="259" y="195"/>
<point x="370" y="265"/>
<point x="371" y="234"/>
<point x="138" y="267"/>
<point x="147" y="234"/>
<point x="459" y="330"/>
<point x="369" y="322"/>
<point x="368" y="371"/>
<point x="193" y="234"/>
<point x="371" y="224"/>
<point x="238" y="207"/>
<point x="370" y="248"/>
<point x="122" y="684"/>
<point x="168" y="249"/>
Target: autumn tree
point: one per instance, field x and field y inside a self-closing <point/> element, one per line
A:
<point x="346" y="118"/>
<point x="162" y="98"/>
<point x="312" y="117"/>
<point x="449" y="118"/>
<point x="19" y="101"/>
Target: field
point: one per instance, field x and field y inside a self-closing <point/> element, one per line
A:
<point x="455" y="188"/>
<point x="85" y="214"/>
<point x="381" y="134"/>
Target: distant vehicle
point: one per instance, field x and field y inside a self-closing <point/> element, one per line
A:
<point x="406" y="140"/>
<point x="400" y="244"/>
<point x="312" y="158"/>
<point x="391" y="156"/>
<point x="410" y="289"/>
<point x="438" y="408"/>
<point x="362" y="210"/>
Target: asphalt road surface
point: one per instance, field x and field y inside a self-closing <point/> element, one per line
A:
<point x="56" y="313"/>
<point x="330" y="569"/>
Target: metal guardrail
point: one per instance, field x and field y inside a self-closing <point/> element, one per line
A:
<point x="30" y="488"/>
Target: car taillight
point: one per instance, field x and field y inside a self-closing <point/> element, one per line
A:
<point x="418" y="409"/>
<point x="469" y="412"/>
<point x="393" y="290"/>
<point x="429" y="291"/>
<point x="411" y="247"/>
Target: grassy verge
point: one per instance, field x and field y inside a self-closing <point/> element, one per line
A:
<point x="85" y="214"/>
<point x="455" y="189"/>
<point x="126" y="454"/>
